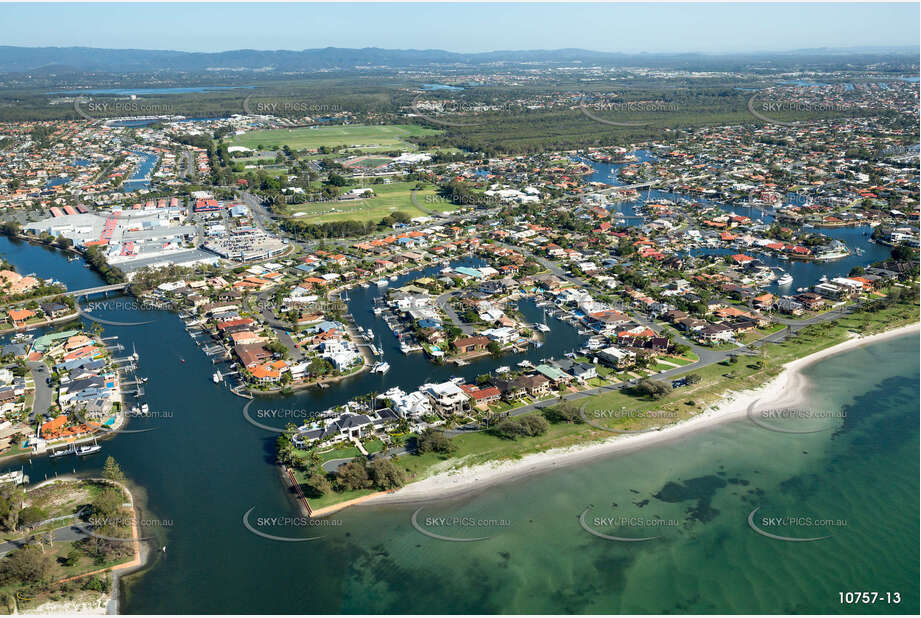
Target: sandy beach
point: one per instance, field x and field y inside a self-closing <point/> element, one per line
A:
<point x="785" y="390"/>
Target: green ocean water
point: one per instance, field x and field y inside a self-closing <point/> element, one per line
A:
<point x="861" y="473"/>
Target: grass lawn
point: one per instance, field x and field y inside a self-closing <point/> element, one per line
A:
<point x="339" y="453"/>
<point x="758" y="333"/>
<point x="364" y="137"/>
<point x="336" y="497"/>
<point x="387" y="200"/>
<point x="374" y="446"/>
<point x="368" y="163"/>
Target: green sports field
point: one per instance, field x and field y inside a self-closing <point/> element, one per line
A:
<point x="387" y="199"/>
<point x="362" y="137"/>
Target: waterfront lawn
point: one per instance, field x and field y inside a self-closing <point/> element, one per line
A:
<point x="335" y="497"/>
<point x="337" y="453"/>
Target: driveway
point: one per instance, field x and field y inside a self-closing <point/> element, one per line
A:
<point x="43" y="393"/>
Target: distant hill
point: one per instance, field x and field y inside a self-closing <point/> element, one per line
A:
<point x="79" y="59"/>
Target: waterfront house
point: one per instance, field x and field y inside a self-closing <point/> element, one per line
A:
<point x="467" y="345"/>
<point x="580" y="371"/>
<point x="251" y="354"/>
<point x="482" y="397"/>
<point x="617" y="357"/>
<point x="534" y="385"/>
<point x="553" y="373"/>
<point x="54" y="310"/>
<point x="20" y="316"/>
<point x="787" y="304"/>
<point x="715" y="333"/>
<point x="446" y="398"/>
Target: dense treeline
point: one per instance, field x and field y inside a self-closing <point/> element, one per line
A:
<point x="97" y="260"/>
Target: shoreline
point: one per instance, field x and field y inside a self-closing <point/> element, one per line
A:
<point x="786" y="389"/>
<point x="107" y="603"/>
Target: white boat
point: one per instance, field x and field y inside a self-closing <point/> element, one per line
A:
<point x="381" y="368"/>
<point x="502" y="369"/>
<point x="382" y="282"/>
<point x="67" y="451"/>
<point x="526" y="364"/>
<point x="785" y="279"/>
<point x="823" y="278"/>
<point x="145" y="408"/>
<point x="393" y="277"/>
<point x="365" y="284"/>
<point x="216" y="377"/>
<point x="377" y="311"/>
<point x="542" y="328"/>
<point x="89" y="449"/>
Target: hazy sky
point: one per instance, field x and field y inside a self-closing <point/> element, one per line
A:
<point x="463" y="27"/>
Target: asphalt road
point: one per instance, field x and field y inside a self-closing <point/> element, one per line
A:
<point x="43" y="392"/>
<point x="66" y="533"/>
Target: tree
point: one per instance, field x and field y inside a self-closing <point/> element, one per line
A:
<point x="318" y="485"/>
<point x="903" y="254"/>
<point x="10" y="228"/>
<point x="112" y="471"/>
<point x="654" y="388"/>
<point x="28" y="565"/>
<point x="692" y="378"/>
<point x="566" y="412"/>
<point x="31" y="515"/>
<point x="353" y="475"/>
<point x="515" y="427"/>
<point x="385" y="475"/>
<point x="433" y="441"/>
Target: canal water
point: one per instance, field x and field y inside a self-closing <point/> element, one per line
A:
<point x="805" y="274"/>
<point x="140" y="179"/>
<point x="202" y="467"/>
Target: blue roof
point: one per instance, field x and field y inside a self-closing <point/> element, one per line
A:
<point x="470" y="272"/>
